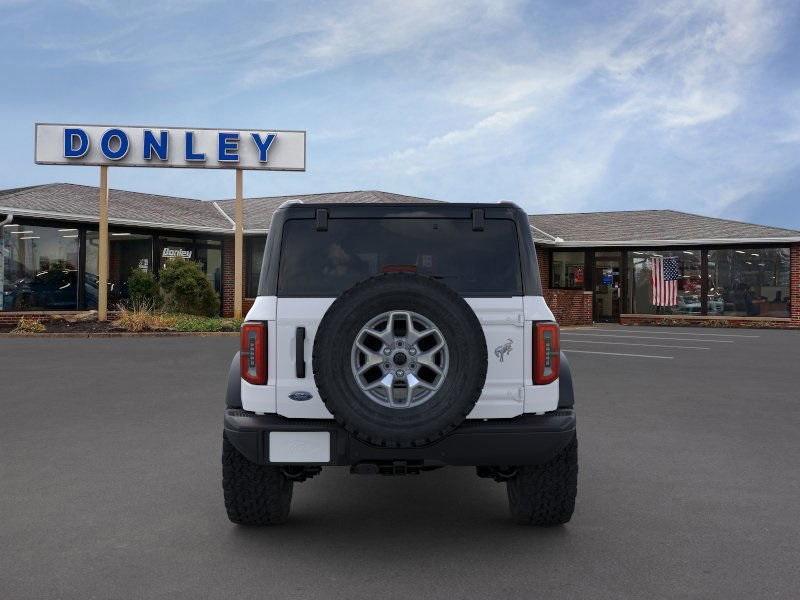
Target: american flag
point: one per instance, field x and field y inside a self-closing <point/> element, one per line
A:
<point x="664" y="277"/>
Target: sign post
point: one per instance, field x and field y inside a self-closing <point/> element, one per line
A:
<point x="102" y="255"/>
<point x="238" y="254"/>
<point x="176" y="147"/>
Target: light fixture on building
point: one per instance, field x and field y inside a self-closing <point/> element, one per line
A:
<point x="68" y="230"/>
<point x="30" y="237"/>
<point x="688" y="252"/>
<point x="118" y="234"/>
<point x="753" y="254"/>
<point x="21" y="232"/>
<point x="11" y="225"/>
<point x="741" y="252"/>
<point x="74" y="235"/>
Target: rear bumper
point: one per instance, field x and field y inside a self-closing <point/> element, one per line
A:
<point x="523" y="440"/>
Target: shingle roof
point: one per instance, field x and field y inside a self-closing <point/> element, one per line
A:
<point x="645" y="226"/>
<point x="258" y="211"/>
<point x="80" y="202"/>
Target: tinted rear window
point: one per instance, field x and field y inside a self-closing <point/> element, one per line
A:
<point x="326" y="263"/>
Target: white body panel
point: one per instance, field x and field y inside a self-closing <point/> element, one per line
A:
<point x="507" y="326"/>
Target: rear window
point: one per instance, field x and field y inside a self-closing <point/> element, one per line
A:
<point x="326" y="263"/>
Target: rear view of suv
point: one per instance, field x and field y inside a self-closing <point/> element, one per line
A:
<point x="395" y="339"/>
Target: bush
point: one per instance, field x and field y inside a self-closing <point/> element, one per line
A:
<point x="142" y="317"/>
<point x="26" y="325"/>
<point x="186" y="289"/>
<point x="143" y="289"/>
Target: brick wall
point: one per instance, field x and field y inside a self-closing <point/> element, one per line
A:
<point x="228" y="273"/>
<point x="794" y="283"/>
<point x="570" y="307"/>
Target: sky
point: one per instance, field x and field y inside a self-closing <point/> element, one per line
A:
<point x="557" y="106"/>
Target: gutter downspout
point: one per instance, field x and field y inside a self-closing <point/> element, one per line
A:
<point x="552" y="237"/>
<point x="7" y="220"/>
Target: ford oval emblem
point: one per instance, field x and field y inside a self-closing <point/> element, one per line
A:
<point x="300" y="396"/>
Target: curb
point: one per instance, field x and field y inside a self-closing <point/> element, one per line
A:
<point x="122" y="334"/>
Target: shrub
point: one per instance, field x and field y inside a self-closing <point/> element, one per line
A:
<point x="143" y="289"/>
<point x="28" y="325"/>
<point x="142" y="317"/>
<point x="186" y="289"/>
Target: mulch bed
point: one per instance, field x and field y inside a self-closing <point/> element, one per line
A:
<point x="62" y="326"/>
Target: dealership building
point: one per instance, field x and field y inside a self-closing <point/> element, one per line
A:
<point x="594" y="267"/>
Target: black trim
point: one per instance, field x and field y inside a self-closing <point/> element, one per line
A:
<point x="566" y="393"/>
<point x="531" y="284"/>
<point x="233" y="393"/>
<point x="322" y="219"/>
<point x="524" y="440"/>
<point x="299" y="352"/>
<point x="478" y="219"/>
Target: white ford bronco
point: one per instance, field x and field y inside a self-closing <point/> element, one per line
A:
<point x="395" y="339"/>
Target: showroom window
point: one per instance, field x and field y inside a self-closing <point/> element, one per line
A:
<point x="748" y="282"/>
<point x="39" y="267"/>
<point x="209" y="255"/>
<point x="128" y="251"/>
<point x="666" y="282"/>
<point x="567" y="270"/>
<point x="254" y="256"/>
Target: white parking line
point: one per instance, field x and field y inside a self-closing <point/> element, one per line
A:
<point x="618" y="354"/>
<point x="635" y="344"/>
<point x="644" y="337"/>
<point x="734" y="335"/>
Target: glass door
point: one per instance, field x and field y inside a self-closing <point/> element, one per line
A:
<point x="607" y="286"/>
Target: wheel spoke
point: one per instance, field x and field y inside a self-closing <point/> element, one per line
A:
<point x="427" y="359"/>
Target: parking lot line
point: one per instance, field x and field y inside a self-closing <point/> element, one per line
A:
<point x="618" y="354"/>
<point x="734" y="335"/>
<point x="644" y="337"/>
<point x="637" y="344"/>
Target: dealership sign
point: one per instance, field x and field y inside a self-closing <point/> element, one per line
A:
<point x="110" y="145"/>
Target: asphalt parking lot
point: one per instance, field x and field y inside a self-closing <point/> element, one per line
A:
<point x="688" y="487"/>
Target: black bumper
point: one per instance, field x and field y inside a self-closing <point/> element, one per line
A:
<point x="523" y="440"/>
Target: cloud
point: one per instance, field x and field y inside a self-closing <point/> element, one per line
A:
<point x="467" y="146"/>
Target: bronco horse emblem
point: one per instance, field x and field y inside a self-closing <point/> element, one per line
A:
<point x="503" y="349"/>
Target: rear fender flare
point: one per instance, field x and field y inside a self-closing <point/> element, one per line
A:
<point x="566" y="393"/>
<point x="233" y="394"/>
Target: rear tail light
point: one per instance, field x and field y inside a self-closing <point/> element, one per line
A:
<point x="546" y="353"/>
<point x="253" y="353"/>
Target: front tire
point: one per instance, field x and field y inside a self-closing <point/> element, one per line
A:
<point x="254" y="494"/>
<point x="544" y="495"/>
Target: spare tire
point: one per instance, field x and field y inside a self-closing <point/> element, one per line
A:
<point x="400" y="360"/>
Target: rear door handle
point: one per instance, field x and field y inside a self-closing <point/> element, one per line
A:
<point x="299" y="352"/>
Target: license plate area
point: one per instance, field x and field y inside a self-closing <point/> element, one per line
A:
<point x="293" y="447"/>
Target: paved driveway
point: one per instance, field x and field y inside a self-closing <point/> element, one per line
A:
<point x="109" y="483"/>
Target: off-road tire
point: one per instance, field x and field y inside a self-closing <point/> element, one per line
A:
<point x="254" y="494"/>
<point x="544" y="495"/>
<point x="385" y="426"/>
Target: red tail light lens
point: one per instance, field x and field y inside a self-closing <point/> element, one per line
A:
<point x="546" y="353"/>
<point x="253" y="353"/>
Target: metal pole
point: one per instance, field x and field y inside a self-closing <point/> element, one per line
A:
<point x="238" y="248"/>
<point x="102" y="257"/>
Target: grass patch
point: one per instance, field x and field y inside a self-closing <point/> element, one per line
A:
<point x="28" y="325"/>
<point x="194" y="323"/>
